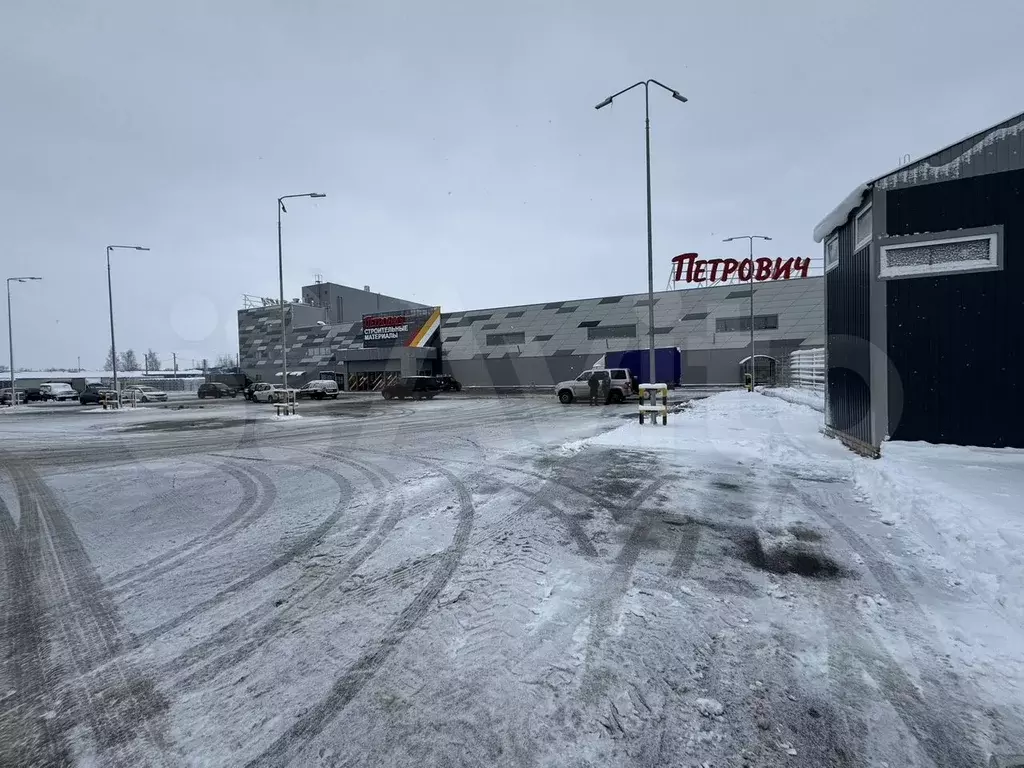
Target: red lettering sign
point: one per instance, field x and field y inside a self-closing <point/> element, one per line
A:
<point x="384" y="321"/>
<point x="696" y="270"/>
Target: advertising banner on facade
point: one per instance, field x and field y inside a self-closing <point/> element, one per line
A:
<point x="693" y="269"/>
<point x="403" y="328"/>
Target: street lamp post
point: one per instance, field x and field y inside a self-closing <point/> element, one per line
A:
<point x="10" y="332"/>
<point x="280" y="278"/>
<point x="750" y="239"/>
<point x="110" y="300"/>
<point x="650" y="238"/>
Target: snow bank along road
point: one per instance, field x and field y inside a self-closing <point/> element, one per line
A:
<point x="502" y="583"/>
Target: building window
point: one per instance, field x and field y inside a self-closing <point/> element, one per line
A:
<point x="666" y="329"/>
<point x="452" y="339"/>
<point x="543" y="337"/>
<point x="589" y="324"/>
<point x="490" y="326"/>
<point x="612" y="332"/>
<point x="740" y="294"/>
<point x="498" y="339"/>
<point x="554" y="305"/>
<point x="517" y="313"/>
<point x="832" y="252"/>
<point x="566" y="310"/>
<point x="645" y="302"/>
<point x="862" y="229"/>
<point x="733" y="324"/>
<point x="936" y="254"/>
<point x="610" y="300"/>
<point x="695" y="316"/>
<point x="564" y="352"/>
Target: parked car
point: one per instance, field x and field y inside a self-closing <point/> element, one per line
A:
<point x="95" y="394"/>
<point x="57" y="391"/>
<point x="144" y="394"/>
<point x="5" y="396"/>
<point x="620" y="385"/>
<point x="215" y="389"/>
<point x="319" y="389"/>
<point x="416" y="387"/>
<point x="271" y="393"/>
<point x="449" y="383"/>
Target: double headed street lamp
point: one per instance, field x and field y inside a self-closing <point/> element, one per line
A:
<point x="650" y="239"/>
<point x="750" y="239"/>
<point x="10" y="332"/>
<point x="280" y="277"/>
<point x="110" y="299"/>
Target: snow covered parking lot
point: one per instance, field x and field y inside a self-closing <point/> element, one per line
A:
<point x="504" y="582"/>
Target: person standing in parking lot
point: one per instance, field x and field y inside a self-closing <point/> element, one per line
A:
<point x="594" y="383"/>
<point x="606" y="388"/>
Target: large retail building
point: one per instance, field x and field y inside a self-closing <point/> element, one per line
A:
<point x="529" y="344"/>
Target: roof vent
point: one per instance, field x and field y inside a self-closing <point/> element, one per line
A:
<point x="366" y="288"/>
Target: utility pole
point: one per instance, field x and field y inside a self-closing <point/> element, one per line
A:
<point x="175" y="356"/>
<point x="750" y="239"/>
<point x="650" y="235"/>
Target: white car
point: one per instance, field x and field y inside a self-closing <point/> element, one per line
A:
<point x="320" y="389"/>
<point x="271" y="393"/>
<point x="144" y="394"/>
<point x="58" y="391"/>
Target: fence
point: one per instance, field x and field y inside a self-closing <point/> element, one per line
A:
<point x="807" y="369"/>
<point x="183" y="384"/>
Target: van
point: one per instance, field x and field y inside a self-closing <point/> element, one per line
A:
<point x="319" y="389"/>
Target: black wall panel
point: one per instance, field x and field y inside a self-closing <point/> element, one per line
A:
<point x="957" y="342"/>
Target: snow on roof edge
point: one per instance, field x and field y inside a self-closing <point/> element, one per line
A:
<point x="840" y="213"/>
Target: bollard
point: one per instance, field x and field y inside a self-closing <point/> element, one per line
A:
<point x="653" y="390"/>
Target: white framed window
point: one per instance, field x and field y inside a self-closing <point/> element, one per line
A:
<point x="832" y="252"/>
<point x="941" y="253"/>
<point x="862" y="228"/>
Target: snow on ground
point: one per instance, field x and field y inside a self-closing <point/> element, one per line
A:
<point x="505" y="582"/>
<point x="808" y="397"/>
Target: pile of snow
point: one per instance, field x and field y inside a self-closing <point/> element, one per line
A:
<point x="798" y="395"/>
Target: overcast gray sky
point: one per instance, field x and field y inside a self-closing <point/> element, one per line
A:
<point x="457" y="142"/>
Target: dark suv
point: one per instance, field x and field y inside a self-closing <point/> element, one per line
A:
<point x="448" y="383"/>
<point x="416" y="387"/>
<point x="215" y="389"/>
<point x="95" y="393"/>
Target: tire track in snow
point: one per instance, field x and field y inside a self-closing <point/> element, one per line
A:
<point x="924" y="708"/>
<point x="300" y="547"/>
<point x="258" y="494"/>
<point x="606" y="607"/>
<point x="27" y="736"/>
<point x="123" y="709"/>
<point x="348" y="686"/>
<point x="245" y="635"/>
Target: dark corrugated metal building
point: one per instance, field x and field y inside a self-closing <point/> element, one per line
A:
<point x="924" y="299"/>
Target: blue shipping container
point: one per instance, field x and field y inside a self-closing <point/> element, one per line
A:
<point x="668" y="364"/>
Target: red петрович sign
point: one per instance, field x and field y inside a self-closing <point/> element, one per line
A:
<point x="698" y="270"/>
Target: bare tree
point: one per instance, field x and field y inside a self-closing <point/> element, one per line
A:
<point x="225" y="361"/>
<point x="109" y="364"/>
<point x="128" y="361"/>
<point x="152" y="361"/>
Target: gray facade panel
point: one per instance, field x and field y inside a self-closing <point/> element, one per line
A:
<point x="346" y="304"/>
